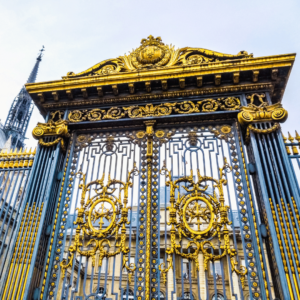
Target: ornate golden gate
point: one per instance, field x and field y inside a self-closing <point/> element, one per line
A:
<point x="154" y="189"/>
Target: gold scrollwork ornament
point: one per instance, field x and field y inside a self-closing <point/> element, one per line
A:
<point x="153" y="53"/>
<point x="163" y="270"/>
<point x="209" y="213"/>
<point x="149" y="110"/>
<point x="130" y="268"/>
<point x="101" y="206"/>
<point x="114" y="113"/>
<point x="187" y="107"/>
<point x="95" y="114"/>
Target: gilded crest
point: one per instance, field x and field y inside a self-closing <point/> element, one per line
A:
<point x="151" y="53"/>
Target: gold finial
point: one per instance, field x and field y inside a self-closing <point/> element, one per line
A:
<point x="291" y="139"/>
<point x="284" y="137"/>
<point x="294" y="148"/>
<point x="297" y="136"/>
<point x="286" y="147"/>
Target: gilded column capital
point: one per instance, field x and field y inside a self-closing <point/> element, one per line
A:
<point x="263" y="112"/>
<point x="52" y="128"/>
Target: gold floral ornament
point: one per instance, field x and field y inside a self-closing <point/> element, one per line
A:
<point x="261" y="113"/>
<point x="52" y="128"/>
<point x="223" y="132"/>
<point x="153" y="53"/>
<point x="149" y="110"/>
<point x="82" y="115"/>
<point x="210" y="105"/>
<point x="206" y="211"/>
<point x="83" y="140"/>
<point x="161" y="135"/>
<point x="93" y="212"/>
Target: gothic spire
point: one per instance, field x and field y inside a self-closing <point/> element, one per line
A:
<point x="18" y="118"/>
<point x="33" y="74"/>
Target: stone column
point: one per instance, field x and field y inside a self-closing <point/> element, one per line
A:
<point x="201" y="274"/>
<point x="236" y="287"/>
<point x="170" y="284"/>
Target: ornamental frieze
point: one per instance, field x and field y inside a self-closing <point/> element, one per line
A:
<point x="150" y="110"/>
<point x="161" y="96"/>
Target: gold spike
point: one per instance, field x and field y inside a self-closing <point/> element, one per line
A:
<point x="291" y="139"/>
<point x="20" y="152"/>
<point x="286" y="147"/>
<point x="297" y="138"/>
<point x="34" y="151"/>
<point x="294" y="148"/>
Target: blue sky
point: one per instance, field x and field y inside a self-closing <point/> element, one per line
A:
<point x="78" y="34"/>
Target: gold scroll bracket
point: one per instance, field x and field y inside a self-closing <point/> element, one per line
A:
<point x="52" y="128"/>
<point x="263" y="112"/>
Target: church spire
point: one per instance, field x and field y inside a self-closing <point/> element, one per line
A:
<point x="18" y="118"/>
<point x="33" y="74"/>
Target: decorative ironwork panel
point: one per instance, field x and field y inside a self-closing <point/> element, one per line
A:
<point x="95" y="254"/>
<point x="156" y="213"/>
<point x="207" y="241"/>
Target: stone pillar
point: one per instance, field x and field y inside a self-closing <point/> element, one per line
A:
<point x="201" y="274"/>
<point x="236" y="287"/>
<point x="170" y="284"/>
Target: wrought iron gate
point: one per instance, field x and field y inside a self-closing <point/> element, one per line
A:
<point x="156" y="213"/>
<point x="161" y="174"/>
